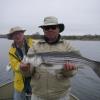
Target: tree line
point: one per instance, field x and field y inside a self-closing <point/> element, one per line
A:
<point x="83" y="37"/>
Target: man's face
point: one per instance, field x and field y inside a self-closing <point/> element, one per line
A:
<point x="51" y="31"/>
<point x="18" y="37"/>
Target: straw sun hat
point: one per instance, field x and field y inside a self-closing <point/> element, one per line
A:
<point x="15" y="29"/>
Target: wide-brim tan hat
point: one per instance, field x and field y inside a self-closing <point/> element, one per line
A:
<point x="51" y="20"/>
<point x="15" y="29"/>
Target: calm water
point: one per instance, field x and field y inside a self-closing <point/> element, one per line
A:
<point x="85" y="85"/>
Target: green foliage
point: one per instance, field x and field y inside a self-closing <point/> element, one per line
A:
<point x="83" y="37"/>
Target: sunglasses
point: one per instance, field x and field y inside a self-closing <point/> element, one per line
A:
<point x="53" y="27"/>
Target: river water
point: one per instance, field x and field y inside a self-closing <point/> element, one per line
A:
<point x="85" y="85"/>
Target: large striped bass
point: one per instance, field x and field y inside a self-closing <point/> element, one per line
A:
<point x="60" y="58"/>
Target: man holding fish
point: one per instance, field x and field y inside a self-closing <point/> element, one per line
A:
<point x="51" y="81"/>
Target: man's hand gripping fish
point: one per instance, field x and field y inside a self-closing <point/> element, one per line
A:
<point x="60" y="58"/>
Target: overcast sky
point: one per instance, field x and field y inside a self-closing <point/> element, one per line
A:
<point x="79" y="16"/>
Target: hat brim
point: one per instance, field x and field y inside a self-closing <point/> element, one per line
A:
<point x="61" y="26"/>
<point x="9" y="35"/>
